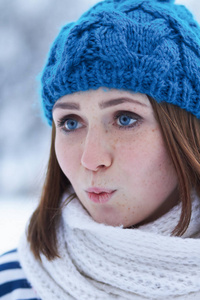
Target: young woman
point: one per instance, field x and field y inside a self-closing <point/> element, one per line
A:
<point x="119" y="214"/>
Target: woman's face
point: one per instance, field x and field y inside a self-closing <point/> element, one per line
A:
<point x="111" y="149"/>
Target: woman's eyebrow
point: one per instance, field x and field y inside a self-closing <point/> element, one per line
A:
<point x="66" y="105"/>
<point x="102" y="105"/>
<point x="117" y="101"/>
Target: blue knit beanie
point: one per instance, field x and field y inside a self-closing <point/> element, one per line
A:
<point x="146" y="46"/>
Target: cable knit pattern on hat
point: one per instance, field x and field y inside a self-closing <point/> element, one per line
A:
<point x="104" y="262"/>
<point x="146" y="46"/>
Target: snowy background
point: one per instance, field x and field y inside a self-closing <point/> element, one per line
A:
<point x="27" y="29"/>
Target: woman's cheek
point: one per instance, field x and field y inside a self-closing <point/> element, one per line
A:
<point x="68" y="156"/>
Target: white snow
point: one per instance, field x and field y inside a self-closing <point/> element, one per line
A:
<point x="14" y="214"/>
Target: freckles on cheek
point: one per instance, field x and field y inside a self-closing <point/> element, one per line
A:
<point x="130" y="159"/>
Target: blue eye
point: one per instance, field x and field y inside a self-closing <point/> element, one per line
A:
<point x="125" y="120"/>
<point x="71" y="124"/>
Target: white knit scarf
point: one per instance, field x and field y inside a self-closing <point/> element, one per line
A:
<point x="104" y="262"/>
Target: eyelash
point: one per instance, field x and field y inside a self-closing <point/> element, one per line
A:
<point x="129" y="114"/>
<point x="61" y="122"/>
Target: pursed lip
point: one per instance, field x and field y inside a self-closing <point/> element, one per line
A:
<point x="99" y="195"/>
<point x="97" y="190"/>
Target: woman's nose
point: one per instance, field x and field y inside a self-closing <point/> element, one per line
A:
<point x="96" y="151"/>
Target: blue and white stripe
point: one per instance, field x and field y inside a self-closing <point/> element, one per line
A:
<point x="13" y="282"/>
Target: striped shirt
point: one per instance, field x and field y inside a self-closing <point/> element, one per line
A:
<point x="13" y="282"/>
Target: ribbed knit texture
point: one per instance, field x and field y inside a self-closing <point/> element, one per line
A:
<point x="146" y="46"/>
<point x="105" y="262"/>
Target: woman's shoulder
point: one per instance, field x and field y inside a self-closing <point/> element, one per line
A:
<point x="13" y="282"/>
